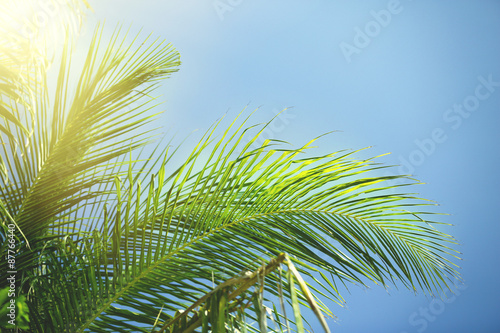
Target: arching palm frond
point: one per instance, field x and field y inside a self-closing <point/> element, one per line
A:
<point x="74" y="141"/>
<point x="338" y="222"/>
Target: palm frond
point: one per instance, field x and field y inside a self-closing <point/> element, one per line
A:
<point x="199" y="227"/>
<point x="63" y="159"/>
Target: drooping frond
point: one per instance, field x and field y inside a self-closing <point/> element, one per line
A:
<point x="210" y="220"/>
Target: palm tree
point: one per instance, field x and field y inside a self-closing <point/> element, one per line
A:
<point x="108" y="236"/>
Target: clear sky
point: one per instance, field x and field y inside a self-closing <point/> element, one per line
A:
<point x="418" y="79"/>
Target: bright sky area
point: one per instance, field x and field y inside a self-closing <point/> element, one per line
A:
<point x="418" y="79"/>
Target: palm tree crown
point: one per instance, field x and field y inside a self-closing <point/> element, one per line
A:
<point x="110" y="239"/>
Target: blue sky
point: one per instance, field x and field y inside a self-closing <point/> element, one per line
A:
<point x="418" y="79"/>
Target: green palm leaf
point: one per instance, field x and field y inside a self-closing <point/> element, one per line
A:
<point x="197" y="226"/>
